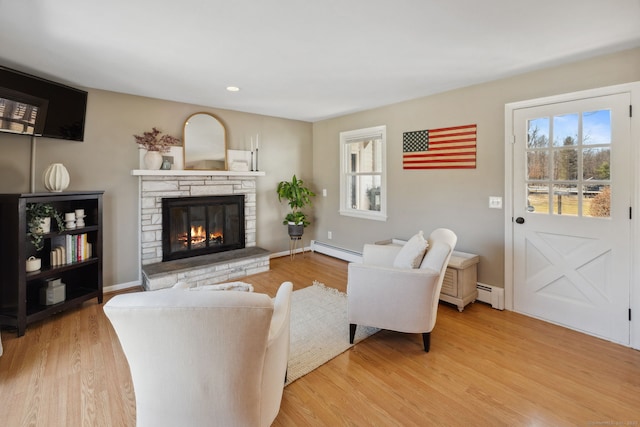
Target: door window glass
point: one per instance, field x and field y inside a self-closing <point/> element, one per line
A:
<point x="576" y="166"/>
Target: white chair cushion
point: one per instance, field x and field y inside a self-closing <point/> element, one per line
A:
<point x="412" y="252"/>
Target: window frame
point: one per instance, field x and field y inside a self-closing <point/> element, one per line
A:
<point x="355" y="136"/>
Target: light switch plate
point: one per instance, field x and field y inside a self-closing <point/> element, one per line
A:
<point x="495" y="202"/>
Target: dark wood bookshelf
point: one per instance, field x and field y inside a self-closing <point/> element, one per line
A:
<point x="19" y="290"/>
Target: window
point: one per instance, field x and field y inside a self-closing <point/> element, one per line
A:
<point x="568" y="164"/>
<point x="363" y="180"/>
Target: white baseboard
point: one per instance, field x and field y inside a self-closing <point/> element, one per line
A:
<point x="121" y="286"/>
<point x="335" y="251"/>
<point x="287" y="253"/>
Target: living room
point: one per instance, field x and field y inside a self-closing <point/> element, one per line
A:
<point x="417" y="200"/>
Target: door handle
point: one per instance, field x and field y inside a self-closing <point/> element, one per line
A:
<point x="520" y="220"/>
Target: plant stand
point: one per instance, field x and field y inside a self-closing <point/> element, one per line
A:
<point x="293" y="245"/>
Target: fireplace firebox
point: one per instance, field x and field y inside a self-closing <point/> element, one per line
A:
<point x="193" y="226"/>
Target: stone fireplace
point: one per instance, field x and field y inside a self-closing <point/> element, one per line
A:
<point x="229" y="264"/>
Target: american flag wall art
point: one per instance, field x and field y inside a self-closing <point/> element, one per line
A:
<point x="445" y="148"/>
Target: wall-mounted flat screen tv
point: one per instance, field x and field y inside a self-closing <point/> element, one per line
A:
<point x="31" y="105"/>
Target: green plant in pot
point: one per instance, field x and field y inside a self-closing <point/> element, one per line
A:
<point x="37" y="215"/>
<point x="298" y="196"/>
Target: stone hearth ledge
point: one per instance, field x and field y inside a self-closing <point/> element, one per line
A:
<point x="206" y="269"/>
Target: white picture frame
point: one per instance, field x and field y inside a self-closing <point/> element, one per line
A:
<point x="239" y="160"/>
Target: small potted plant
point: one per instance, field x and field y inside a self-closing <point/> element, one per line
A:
<point x="39" y="222"/>
<point x="298" y="197"/>
<point x="155" y="146"/>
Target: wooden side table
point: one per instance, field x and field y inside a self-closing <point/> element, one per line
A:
<point x="459" y="284"/>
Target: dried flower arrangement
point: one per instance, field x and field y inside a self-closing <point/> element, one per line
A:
<point x="151" y="142"/>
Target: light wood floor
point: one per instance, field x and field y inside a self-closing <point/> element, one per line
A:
<point x="485" y="368"/>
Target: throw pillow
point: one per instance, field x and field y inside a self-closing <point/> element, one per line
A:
<point x="436" y="256"/>
<point x="412" y="252"/>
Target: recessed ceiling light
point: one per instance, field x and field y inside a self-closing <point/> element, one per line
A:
<point x="233" y="88"/>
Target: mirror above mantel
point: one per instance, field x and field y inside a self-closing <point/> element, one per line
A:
<point x="205" y="146"/>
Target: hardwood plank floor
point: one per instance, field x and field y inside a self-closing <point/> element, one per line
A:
<point x="485" y="368"/>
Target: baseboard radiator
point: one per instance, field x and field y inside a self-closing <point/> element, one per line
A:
<point x="491" y="295"/>
<point x="336" y="252"/>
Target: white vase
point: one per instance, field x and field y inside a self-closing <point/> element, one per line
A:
<point x="153" y="160"/>
<point x="55" y="178"/>
<point x="43" y="227"/>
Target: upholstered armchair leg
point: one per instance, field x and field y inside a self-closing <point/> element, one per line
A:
<point x="352" y="332"/>
<point x="286" y="373"/>
<point x="426" y="339"/>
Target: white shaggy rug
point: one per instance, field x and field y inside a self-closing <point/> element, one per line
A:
<point x="319" y="329"/>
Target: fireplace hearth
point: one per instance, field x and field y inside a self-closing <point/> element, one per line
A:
<point x="200" y="225"/>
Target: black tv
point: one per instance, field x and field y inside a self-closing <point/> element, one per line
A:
<point x="30" y="105"/>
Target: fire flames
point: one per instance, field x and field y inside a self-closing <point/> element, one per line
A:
<point x="199" y="237"/>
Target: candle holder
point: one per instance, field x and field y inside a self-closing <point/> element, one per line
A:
<point x="257" y="160"/>
<point x="251" y="160"/>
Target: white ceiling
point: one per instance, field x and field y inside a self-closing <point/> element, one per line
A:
<point x="306" y="60"/>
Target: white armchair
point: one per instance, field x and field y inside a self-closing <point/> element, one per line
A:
<point x="208" y="358"/>
<point x="398" y="299"/>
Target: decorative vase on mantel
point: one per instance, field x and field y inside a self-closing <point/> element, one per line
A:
<point x="153" y="160"/>
<point x="55" y="178"/>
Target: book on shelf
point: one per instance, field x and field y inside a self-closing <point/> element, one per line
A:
<point x="70" y="248"/>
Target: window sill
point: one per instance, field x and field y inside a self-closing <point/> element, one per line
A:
<point x="378" y="216"/>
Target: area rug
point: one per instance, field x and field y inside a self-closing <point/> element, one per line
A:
<point x="319" y="329"/>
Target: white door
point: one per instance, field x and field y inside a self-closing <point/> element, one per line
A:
<point x="571" y="214"/>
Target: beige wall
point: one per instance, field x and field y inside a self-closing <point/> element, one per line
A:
<point x="417" y="199"/>
<point x="458" y="199"/>
<point x="108" y="154"/>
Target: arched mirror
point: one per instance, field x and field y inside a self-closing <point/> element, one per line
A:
<point x="205" y="144"/>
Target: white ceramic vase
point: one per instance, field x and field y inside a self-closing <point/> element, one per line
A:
<point x="45" y="226"/>
<point x="153" y="160"/>
<point x="56" y="178"/>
